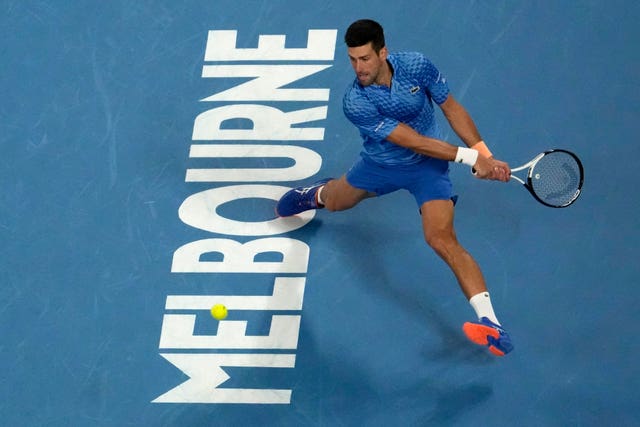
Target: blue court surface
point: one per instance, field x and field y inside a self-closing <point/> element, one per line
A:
<point x="139" y="175"/>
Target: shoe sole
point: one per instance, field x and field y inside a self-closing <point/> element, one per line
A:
<point x="480" y="334"/>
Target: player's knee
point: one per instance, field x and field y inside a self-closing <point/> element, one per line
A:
<point x="441" y="242"/>
<point x="334" y="200"/>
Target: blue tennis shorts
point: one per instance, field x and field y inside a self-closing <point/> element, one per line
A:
<point x="426" y="180"/>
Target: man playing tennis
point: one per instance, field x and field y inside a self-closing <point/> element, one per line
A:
<point x="391" y="103"/>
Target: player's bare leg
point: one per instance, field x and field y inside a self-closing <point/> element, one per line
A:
<point x="437" y="223"/>
<point x="334" y="194"/>
<point x="339" y="195"/>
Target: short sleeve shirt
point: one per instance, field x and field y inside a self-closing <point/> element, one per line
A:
<point x="376" y="110"/>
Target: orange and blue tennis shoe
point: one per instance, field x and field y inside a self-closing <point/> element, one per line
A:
<point x="487" y="333"/>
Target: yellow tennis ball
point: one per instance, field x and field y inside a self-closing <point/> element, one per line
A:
<point x="219" y="311"/>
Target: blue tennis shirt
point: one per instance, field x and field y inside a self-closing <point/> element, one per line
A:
<point x="376" y="110"/>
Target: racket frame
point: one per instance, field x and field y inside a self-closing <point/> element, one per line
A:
<point x="528" y="184"/>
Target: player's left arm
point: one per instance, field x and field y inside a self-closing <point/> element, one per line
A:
<point x="460" y="121"/>
<point x="463" y="125"/>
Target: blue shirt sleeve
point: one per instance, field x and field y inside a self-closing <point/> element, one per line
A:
<point x="432" y="79"/>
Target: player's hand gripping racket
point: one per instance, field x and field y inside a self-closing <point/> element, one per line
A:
<point x="554" y="178"/>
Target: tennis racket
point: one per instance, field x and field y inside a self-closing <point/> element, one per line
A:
<point x="554" y="178"/>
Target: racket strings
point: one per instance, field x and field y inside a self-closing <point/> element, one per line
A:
<point x="556" y="178"/>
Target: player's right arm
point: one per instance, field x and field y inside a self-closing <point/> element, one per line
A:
<point x="405" y="136"/>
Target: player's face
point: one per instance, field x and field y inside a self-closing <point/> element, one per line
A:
<point x="367" y="63"/>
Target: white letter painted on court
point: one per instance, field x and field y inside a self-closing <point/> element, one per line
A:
<point x="206" y="374"/>
<point x="221" y="46"/>
<point x="306" y="163"/>
<point x="240" y="257"/>
<point x="178" y="329"/>
<point x="267" y="82"/>
<point x="269" y="123"/>
<point x="200" y="210"/>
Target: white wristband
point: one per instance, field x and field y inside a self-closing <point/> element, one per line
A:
<point x="467" y="156"/>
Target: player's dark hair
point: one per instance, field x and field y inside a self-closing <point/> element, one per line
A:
<point x="364" y="31"/>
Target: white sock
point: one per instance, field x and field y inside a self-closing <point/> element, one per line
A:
<point x="481" y="303"/>
<point x="319" y="195"/>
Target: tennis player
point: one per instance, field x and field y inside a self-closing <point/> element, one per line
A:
<point x="391" y="102"/>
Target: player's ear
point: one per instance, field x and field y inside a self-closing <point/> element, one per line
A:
<point x="383" y="53"/>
